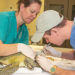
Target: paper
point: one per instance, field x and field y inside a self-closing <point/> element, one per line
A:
<point x="25" y="71"/>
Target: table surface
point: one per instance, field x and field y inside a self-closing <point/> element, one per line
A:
<point x="37" y="48"/>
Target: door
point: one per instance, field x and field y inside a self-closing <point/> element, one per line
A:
<point x="58" y="5"/>
<point x="71" y="9"/>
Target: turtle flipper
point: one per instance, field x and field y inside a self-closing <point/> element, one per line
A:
<point x="9" y="69"/>
<point x="30" y="64"/>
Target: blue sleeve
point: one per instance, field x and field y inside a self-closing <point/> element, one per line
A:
<point x="3" y="27"/>
<point x="72" y="38"/>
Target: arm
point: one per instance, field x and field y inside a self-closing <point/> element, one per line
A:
<point x="7" y="49"/>
<point x="60" y="71"/>
<point x="48" y="63"/>
<point x="54" y="52"/>
<point x="68" y="55"/>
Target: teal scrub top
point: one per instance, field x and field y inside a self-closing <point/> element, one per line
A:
<point x="8" y="29"/>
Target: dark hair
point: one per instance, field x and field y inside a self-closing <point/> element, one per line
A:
<point x="27" y="2"/>
<point x="62" y="24"/>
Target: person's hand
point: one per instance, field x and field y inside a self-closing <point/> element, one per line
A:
<point x="52" y="51"/>
<point x="26" y="50"/>
<point x="45" y="63"/>
<point x="49" y="62"/>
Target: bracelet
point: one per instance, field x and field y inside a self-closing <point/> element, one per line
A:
<point x="53" y="69"/>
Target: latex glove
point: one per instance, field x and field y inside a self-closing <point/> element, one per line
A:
<point x="52" y="51"/>
<point x="26" y="50"/>
<point x="45" y="63"/>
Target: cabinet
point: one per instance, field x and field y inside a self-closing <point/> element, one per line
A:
<point x="58" y="5"/>
<point x="66" y="7"/>
<point x="71" y="9"/>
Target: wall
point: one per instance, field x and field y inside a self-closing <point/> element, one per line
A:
<point x="8" y="5"/>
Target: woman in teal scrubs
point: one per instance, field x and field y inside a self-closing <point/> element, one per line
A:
<point x="13" y="30"/>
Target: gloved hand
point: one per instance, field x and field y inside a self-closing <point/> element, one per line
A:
<point x="26" y="50"/>
<point x="52" y="51"/>
<point x="49" y="62"/>
<point x="45" y="63"/>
